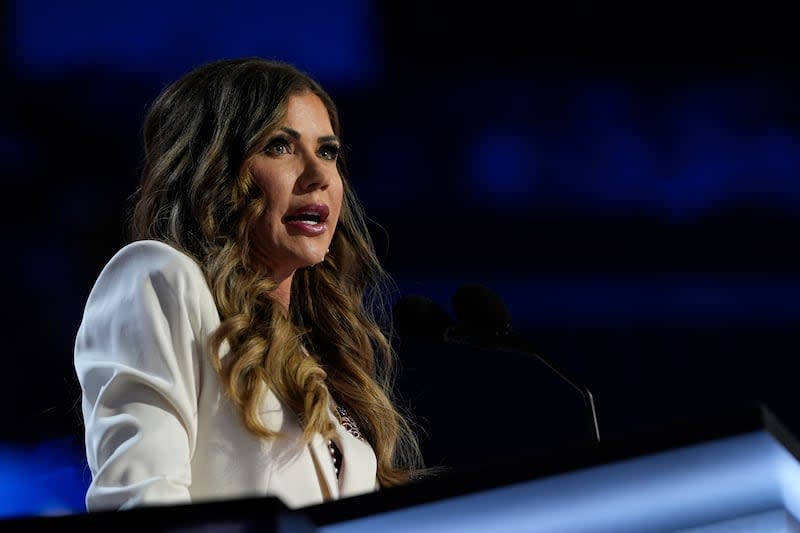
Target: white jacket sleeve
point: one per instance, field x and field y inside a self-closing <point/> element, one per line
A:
<point x="137" y="356"/>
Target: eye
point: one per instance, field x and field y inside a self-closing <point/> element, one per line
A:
<point x="278" y="146"/>
<point x="329" y="151"/>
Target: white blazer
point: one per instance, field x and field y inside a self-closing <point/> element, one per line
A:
<point x="158" y="428"/>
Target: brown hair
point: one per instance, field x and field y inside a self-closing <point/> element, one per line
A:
<point x="197" y="195"/>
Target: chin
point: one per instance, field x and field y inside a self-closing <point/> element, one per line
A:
<point x="317" y="259"/>
<point x="312" y="256"/>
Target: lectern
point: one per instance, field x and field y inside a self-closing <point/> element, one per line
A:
<point x="733" y="471"/>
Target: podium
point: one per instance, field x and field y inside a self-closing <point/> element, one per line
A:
<point x="733" y="471"/>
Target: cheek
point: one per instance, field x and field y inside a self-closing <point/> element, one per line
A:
<point x="338" y="200"/>
<point x="274" y="199"/>
<point x="268" y="224"/>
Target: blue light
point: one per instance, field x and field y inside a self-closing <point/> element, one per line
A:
<point x="697" y="485"/>
<point x="501" y="167"/>
<point x="157" y="40"/>
<point x="46" y="479"/>
<point x="608" y="300"/>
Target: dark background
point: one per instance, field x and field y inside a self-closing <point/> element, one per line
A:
<point x="625" y="179"/>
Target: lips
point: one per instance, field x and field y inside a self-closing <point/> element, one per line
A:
<point x="308" y="220"/>
<point x="308" y="214"/>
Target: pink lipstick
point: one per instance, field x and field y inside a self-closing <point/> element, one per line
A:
<point x="308" y="219"/>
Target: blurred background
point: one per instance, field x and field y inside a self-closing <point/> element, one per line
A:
<point x="626" y="180"/>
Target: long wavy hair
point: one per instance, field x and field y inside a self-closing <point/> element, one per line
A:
<point x="197" y="194"/>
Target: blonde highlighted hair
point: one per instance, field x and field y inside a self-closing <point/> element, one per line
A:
<point x="196" y="194"/>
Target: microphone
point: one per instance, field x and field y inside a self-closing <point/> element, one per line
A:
<point x="419" y="317"/>
<point x="483" y="321"/>
<point x="482" y="315"/>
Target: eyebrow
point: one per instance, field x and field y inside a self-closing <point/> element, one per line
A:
<point x="296" y="135"/>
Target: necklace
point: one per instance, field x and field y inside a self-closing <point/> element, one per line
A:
<point x="336" y="456"/>
<point x="350" y="425"/>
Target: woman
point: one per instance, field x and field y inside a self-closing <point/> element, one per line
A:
<point x="237" y="347"/>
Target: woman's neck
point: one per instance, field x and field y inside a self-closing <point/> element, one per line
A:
<point x="283" y="292"/>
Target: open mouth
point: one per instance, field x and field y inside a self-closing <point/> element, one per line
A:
<point x="309" y="214"/>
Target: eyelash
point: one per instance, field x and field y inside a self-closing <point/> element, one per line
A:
<point x="332" y="149"/>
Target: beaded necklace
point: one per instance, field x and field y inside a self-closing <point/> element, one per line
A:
<point x="350" y="425"/>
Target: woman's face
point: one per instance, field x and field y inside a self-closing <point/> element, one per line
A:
<point x="298" y="175"/>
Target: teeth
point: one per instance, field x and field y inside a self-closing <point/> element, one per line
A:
<point x="306" y="218"/>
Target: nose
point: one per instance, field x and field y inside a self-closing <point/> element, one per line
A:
<point x="315" y="175"/>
